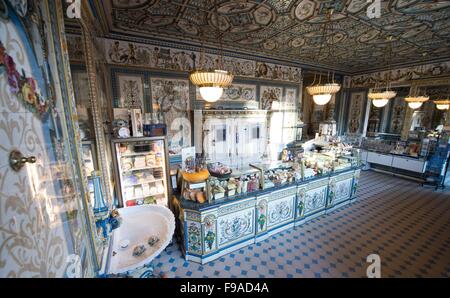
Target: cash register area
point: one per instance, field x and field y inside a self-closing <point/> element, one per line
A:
<point x="202" y="139"/>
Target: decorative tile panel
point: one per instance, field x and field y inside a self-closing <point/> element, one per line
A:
<point x="191" y="215"/>
<point x="235" y="226"/>
<point x="300" y="203"/>
<point x="209" y="233"/>
<point x="164" y="58"/>
<point x="194" y="237"/>
<point x="282" y="193"/>
<point x="342" y="190"/>
<point x="315" y="199"/>
<point x="261" y="216"/>
<point x="280" y="210"/>
<point x="234" y="207"/>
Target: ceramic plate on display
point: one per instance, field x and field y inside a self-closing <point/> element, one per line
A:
<point x="124" y="132"/>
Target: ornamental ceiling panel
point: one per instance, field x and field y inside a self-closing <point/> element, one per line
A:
<point x="292" y="29"/>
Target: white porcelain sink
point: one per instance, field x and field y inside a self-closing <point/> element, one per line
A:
<point x="138" y="225"/>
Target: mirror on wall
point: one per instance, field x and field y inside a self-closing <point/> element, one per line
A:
<point x="397" y="118"/>
<point x="388" y="121"/>
<point x="427" y="116"/>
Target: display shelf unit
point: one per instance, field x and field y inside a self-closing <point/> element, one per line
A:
<point x="142" y="176"/>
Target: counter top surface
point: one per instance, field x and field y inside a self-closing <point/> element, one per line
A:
<point x="191" y="205"/>
<point x="395" y="154"/>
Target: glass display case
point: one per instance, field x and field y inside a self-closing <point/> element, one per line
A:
<point x="142" y="171"/>
<point x="278" y="173"/>
<point x="342" y="163"/>
<point x="411" y="147"/>
<point x="240" y="182"/>
<point x="316" y="164"/>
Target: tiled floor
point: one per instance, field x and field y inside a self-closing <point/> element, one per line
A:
<point x="407" y="225"/>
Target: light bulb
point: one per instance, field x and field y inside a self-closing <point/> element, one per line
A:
<point x="415" y="104"/>
<point x="379" y="103"/>
<point x="443" y="106"/>
<point x="211" y="94"/>
<point x="322" y="99"/>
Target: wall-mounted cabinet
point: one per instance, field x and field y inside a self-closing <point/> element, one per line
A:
<point x="235" y="138"/>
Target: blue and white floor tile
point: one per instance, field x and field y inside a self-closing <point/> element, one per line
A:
<point x="407" y="225"/>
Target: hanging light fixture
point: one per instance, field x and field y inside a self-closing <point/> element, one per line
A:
<point x="416" y="101"/>
<point x="381" y="98"/>
<point x="212" y="81"/>
<point x="442" y="104"/>
<point x="322" y="92"/>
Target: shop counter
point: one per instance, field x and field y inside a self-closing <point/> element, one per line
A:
<point x="211" y="230"/>
<point x="409" y="165"/>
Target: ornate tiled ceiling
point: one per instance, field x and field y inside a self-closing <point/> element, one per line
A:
<point x="292" y="29"/>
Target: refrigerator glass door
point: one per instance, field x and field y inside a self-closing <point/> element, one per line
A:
<point x="142" y="172"/>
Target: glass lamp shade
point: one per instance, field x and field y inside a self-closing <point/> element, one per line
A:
<point x="415" y="104"/>
<point x="442" y="106"/>
<point x="380" y="99"/>
<point x="321" y="99"/>
<point x="211" y="83"/>
<point x="211" y="94"/>
<point x="322" y="93"/>
<point x="387" y="94"/>
<point x="379" y="103"/>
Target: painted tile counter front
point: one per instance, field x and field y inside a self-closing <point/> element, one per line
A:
<point x="210" y="231"/>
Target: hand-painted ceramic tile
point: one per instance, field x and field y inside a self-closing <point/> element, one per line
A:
<point x="42" y="228"/>
<point x="290" y="100"/>
<point x="236" y="96"/>
<point x="150" y="56"/>
<point x="131" y="92"/>
<point x="160" y="57"/>
<point x="268" y="95"/>
<point x="356" y="113"/>
<point x="171" y="96"/>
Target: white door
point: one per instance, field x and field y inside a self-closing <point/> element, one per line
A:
<point x="219" y="142"/>
<point x="41" y="221"/>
